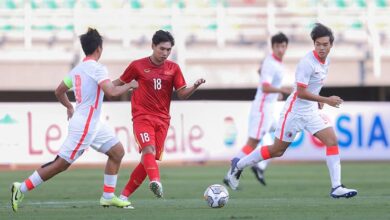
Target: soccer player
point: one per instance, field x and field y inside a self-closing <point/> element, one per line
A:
<point x="157" y="77"/>
<point x="301" y="112"/>
<point x="261" y="116"/>
<point x="90" y="82"/>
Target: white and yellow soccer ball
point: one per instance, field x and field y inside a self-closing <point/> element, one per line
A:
<point x="216" y="196"/>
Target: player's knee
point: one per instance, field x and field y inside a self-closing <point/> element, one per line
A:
<point x="118" y="153"/>
<point x="148" y="150"/>
<point x="331" y="142"/>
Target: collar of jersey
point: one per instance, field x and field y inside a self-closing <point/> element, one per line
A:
<point x="317" y="57"/>
<point x="88" y="58"/>
<point x="276" y="58"/>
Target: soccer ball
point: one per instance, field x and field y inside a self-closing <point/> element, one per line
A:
<point x="216" y="196"/>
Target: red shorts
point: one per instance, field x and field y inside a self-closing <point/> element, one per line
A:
<point x="151" y="131"/>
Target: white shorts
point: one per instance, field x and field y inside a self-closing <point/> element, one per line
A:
<point x="102" y="140"/>
<point x="260" y="123"/>
<point x="290" y="124"/>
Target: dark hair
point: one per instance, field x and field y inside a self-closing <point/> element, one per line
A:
<point x="321" y="30"/>
<point x="90" y="41"/>
<point x="162" y="36"/>
<point x="279" y="38"/>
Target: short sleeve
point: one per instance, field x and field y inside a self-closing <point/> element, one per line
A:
<point x="303" y="73"/>
<point x="129" y="74"/>
<point x="101" y="74"/>
<point x="178" y="80"/>
<point x="267" y="73"/>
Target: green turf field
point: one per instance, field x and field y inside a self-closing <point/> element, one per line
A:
<point x="294" y="191"/>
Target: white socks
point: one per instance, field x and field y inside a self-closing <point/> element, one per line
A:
<point x="109" y="186"/>
<point x="250" y="160"/>
<point x="333" y="163"/>
<point x="32" y="182"/>
<point x="263" y="164"/>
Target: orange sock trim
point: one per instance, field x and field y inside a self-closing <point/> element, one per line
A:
<point x="29" y="184"/>
<point x="265" y="153"/>
<point x="332" y="150"/>
<point x="108" y="189"/>
<point x="247" y="149"/>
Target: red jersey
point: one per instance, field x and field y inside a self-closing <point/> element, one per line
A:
<point x="156" y="83"/>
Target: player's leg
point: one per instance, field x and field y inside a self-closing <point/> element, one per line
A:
<point x="160" y="135"/>
<point x="288" y="127"/>
<point x="65" y="158"/>
<point x="262" y="165"/>
<point x="106" y="142"/>
<point x="256" y="129"/>
<point x="42" y="174"/>
<point x="152" y="170"/>
<point x="145" y="132"/>
<point x="259" y="168"/>
<point x="136" y="178"/>
<point x="249" y="146"/>
<point x="115" y="155"/>
<point x="328" y="137"/>
<point x="264" y="153"/>
<point x="255" y="125"/>
<point x="245" y="150"/>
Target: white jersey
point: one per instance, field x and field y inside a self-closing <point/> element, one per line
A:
<point x="86" y="78"/>
<point x="272" y="72"/>
<point x="310" y="74"/>
<point x="261" y="117"/>
<point x="85" y="128"/>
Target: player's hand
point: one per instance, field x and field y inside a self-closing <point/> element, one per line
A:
<point x="334" y="101"/>
<point x="321" y="105"/>
<point x="133" y="84"/>
<point x="199" y="82"/>
<point x="70" y="112"/>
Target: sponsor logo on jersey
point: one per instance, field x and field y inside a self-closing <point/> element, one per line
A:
<point x="147" y="70"/>
<point x="169" y="73"/>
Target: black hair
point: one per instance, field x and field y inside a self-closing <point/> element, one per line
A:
<point x="90" y="41"/>
<point x="321" y="30"/>
<point x="163" y="36"/>
<point x="279" y="38"/>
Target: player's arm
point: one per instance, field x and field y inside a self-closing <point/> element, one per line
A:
<point x="303" y="93"/>
<point x="111" y="90"/>
<point x="60" y="93"/>
<point x="267" y="74"/>
<point x="118" y="82"/>
<point x="185" y="93"/>
<point x="268" y="88"/>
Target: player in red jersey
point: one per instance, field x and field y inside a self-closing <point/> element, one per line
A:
<point x="157" y="77"/>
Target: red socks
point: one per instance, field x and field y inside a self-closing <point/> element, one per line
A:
<point x="136" y="178"/>
<point x="151" y="167"/>
<point x="148" y="167"/>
